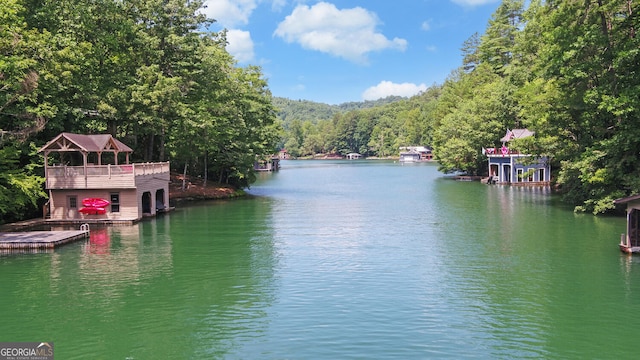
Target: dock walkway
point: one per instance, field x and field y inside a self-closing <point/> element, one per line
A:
<point x="36" y="240"/>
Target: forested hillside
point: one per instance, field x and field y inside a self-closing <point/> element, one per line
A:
<point x="141" y="70"/>
<point x="372" y="129"/>
<point x="289" y="110"/>
<point x="567" y="70"/>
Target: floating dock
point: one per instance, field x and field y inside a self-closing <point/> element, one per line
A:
<point x="39" y="240"/>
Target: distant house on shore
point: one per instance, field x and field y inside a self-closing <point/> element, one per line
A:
<point x="353" y="156"/>
<point x="283" y="154"/>
<point x="508" y="166"/>
<point x="89" y="179"/>
<point x="415" y="154"/>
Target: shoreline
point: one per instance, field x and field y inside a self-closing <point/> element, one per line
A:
<point x="176" y="196"/>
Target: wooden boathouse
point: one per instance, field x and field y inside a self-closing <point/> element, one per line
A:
<point x="510" y="167"/>
<point x="271" y="163"/>
<point x="630" y="240"/>
<point x="81" y="167"/>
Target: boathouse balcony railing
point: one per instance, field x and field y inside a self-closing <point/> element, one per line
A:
<point x="102" y="176"/>
<point x="500" y="152"/>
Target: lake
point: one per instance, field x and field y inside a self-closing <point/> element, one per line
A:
<point x="337" y="260"/>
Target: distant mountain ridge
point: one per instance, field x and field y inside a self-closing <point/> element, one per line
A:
<point x="303" y="110"/>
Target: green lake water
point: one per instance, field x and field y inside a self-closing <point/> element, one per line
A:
<point x="337" y="260"/>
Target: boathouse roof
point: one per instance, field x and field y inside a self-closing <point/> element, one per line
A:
<point x="626" y="199"/>
<point x="86" y="143"/>
<point x="516" y="134"/>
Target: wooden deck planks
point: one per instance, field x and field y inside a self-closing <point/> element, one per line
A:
<point x="39" y="239"/>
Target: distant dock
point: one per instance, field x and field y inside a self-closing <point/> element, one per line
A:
<point x="39" y="240"/>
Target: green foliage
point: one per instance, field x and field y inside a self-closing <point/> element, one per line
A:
<point x="145" y="71"/>
<point x="289" y="110"/>
<point x="566" y="70"/>
<point x="497" y="44"/>
<point x="375" y="128"/>
<point x="583" y="93"/>
<point x="20" y="187"/>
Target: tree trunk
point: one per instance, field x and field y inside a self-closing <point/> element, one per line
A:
<point x="149" y="148"/>
<point x="161" y="145"/>
<point x="184" y="176"/>
<point x="206" y="159"/>
<point x="632" y="30"/>
<point x="605" y="26"/>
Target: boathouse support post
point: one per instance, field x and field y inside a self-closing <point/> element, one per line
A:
<point x="629" y="225"/>
<point x="84" y="162"/>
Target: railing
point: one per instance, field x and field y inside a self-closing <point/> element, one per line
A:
<point x="151" y="168"/>
<point x="100" y="176"/>
<point x="92" y="170"/>
<point x="503" y="151"/>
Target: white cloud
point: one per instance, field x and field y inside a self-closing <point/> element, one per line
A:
<point x="388" y="88"/>
<point x="347" y="33"/>
<point x="230" y="13"/>
<point x="473" y="2"/>
<point x="277" y="5"/>
<point x="240" y="45"/>
<point x="425" y="26"/>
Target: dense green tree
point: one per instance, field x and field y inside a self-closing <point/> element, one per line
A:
<point x="345" y="128"/>
<point x="383" y="137"/>
<point x="199" y="124"/>
<point x="585" y="68"/>
<point x="20" y="186"/>
<point x="25" y="61"/>
<point x="496" y="46"/>
<point x="24" y="109"/>
<point x="470" y="56"/>
<point x="478" y="120"/>
<point x="167" y="68"/>
<point x="295" y="139"/>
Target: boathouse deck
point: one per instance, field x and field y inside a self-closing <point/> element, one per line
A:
<point x="104" y="176"/>
<point x="38" y="240"/>
<point x="18" y="237"/>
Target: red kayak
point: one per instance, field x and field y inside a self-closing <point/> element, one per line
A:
<point x="95" y="203"/>
<point x="93" y="210"/>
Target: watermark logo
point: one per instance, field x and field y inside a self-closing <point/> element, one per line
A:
<point x="26" y="351"/>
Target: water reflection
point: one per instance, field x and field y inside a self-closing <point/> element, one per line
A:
<point x="192" y="284"/>
<point x="371" y="260"/>
<point x="226" y="251"/>
<point x="99" y="242"/>
<point x="532" y="272"/>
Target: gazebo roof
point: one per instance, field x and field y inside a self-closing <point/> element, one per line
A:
<point x="86" y="143"/>
<point x="516" y="134"/>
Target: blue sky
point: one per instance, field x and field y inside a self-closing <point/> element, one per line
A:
<point x="337" y="51"/>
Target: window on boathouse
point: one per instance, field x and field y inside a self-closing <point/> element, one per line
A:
<point x="73" y="202"/>
<point x="115" y="202"/>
